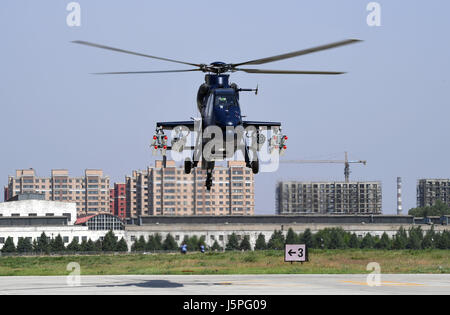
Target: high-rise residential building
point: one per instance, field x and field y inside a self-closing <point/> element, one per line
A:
<point x="293" y="197"/>
<point x="5" y="193"/>
<point x="90" y="192"/>
<point x="118" y="201"/>
<point x="169" y="191"/>
<point x="430" y="190"/>
<point x="112" y="204"/>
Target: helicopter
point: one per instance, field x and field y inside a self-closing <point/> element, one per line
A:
<point x="218" y="105"/>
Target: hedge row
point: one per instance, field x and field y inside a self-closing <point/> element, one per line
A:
<point x="45" y="245"/>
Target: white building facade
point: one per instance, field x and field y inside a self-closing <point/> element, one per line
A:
<point x="39" y="208"/>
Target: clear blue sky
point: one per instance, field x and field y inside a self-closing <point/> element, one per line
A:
<point x="390" y="109"/>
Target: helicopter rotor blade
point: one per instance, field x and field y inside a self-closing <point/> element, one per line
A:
<point x="263" y="71"/>
<point x="146" y="72"/>
<point x="132" y="52"/>
<point x="296" y="53"/>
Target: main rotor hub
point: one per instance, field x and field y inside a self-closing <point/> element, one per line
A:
<point x="217" y="67"/>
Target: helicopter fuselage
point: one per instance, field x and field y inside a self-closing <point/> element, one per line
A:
<point x="218" y="104"/>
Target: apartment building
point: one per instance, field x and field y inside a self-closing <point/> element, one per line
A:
<point x="294" y="197"/>
<point x="118" y="200"/>
<point x="90" y="192"/>
<point x="430" y="190"/>
<point x="169" y="191"/>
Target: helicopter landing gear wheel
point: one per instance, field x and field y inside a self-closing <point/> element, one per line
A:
<point x="255" y="166"/>
<point x="188" y="166"/>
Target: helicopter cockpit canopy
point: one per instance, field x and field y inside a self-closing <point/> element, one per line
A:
<point x="225" y="98"/>
<point x="223" y="101"/>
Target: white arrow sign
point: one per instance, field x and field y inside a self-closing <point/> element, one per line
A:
<point x="295" y="252"/>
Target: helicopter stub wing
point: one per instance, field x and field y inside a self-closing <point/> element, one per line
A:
<point x="169" y="125"/>
<point x="258" y="124"/>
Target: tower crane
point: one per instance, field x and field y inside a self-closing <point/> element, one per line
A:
<point x="346" y="163"/>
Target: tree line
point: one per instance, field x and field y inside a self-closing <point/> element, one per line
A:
<point x="47" y="245"/>
<point x="337" y="238"/>
<point x="329" y="238"/>
<point x="438" y="209"/>
<point x="156" y="243"/>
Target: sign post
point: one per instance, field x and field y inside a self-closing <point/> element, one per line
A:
<point x="295" y="252"/>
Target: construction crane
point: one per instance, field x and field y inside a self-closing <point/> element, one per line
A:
<point x="346" y="163"/>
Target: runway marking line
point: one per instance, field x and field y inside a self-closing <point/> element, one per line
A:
<point x="386" y="283"/>
<point x="263" y="284"/>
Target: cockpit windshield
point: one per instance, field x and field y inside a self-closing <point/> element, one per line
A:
<point x="224" y="100"/>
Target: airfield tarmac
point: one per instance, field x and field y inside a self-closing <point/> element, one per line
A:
<point x="229" y="285"/>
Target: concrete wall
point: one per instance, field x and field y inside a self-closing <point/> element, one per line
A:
<point x="33" y="221"/>
<point x="276" y="219"/>
<point x="39" y="208"/>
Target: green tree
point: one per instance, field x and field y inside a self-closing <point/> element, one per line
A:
<point x="24" y="245"/>
<point x="429" y="238"/>
<point x="170" y="243"/>
<point x="336" y="239"/>
<point x="109" y="243"/>
<point x="216" y="247"/>
<point x="151" y="244"/>
<point x="43" y="244"/>
<point x="276" y="241"/>
<point x="368" y="241"/>
<point x="415" y="238"/>
<point x="384" y="242"/>
<point x="245" y="244"/>
<point x="158" y="242"/>
<point x="354" y="241"/>
<point x="139" y="245"/>
<point x="9" y="246"/>
<point x="98" y="245"/>
<point x="291" y="237"/>
<point x="443" y="240"/>
<point x="233" y="242"/>
<point x="261" y="242"/>
<point x="438" y="209"/>
<point x="400" y="239"/>
<point x="74" y="246"/>
<point x="88" y="246"/>
<point x="35" y="246"/>
<point x="307" y="238"/>
<point x="321" y="239"/>
<point x="122" y="246"/>
<point x="193" y="243"/>
<point x="57" y="244"/>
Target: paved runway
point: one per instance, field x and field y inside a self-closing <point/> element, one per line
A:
<point x="228" y="284"/>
